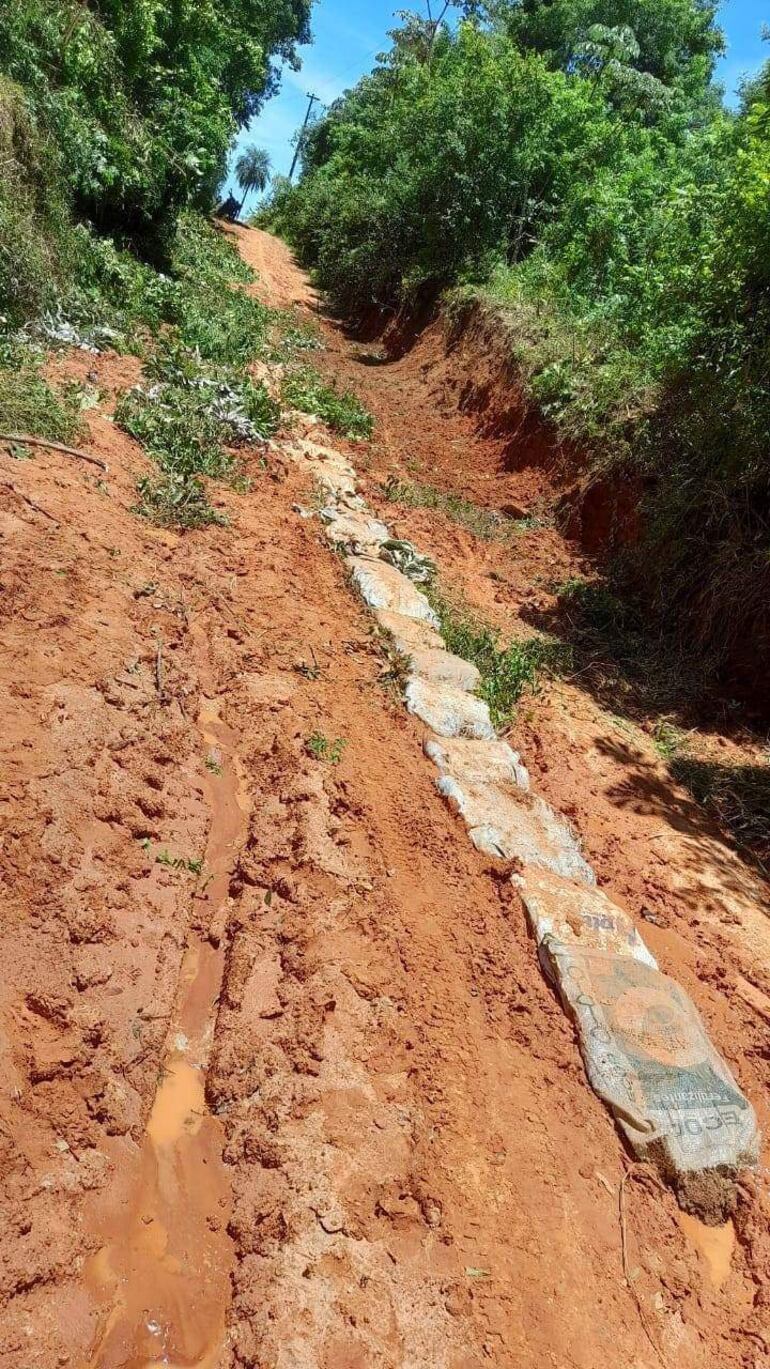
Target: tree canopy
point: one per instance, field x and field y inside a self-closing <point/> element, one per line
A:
<point x="141" y="98"/>
<point x="676" y="41"/>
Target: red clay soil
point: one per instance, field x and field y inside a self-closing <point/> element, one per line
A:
<point x="282" y="1085"/>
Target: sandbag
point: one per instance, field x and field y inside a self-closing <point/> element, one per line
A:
<point x="529" y="830"/>
<point x="332" y="470"/>
<point x="408" y="634"/>
<point x="562" y="912"/>
<point x="490" y="789"/>
<point x="449" y="711"/>
<point x="443" y="667"/>
<point x="645" y="1049"/>
<point x="471" y="764"/>
<point x="647" y="1055"/>
<point x="383" y="586"/>
<point x="351" y="529"/>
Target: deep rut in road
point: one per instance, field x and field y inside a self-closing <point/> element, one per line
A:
<point x="164" y="1267"/>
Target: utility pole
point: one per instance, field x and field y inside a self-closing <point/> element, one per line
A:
<point x="313" y="100"/>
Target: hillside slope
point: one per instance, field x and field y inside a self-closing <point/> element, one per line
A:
<point x="283" y="1082"/>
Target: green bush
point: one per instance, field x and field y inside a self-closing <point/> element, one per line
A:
<point x="113" y="287"/>
<point x="37" y="242"/>
<point x="177" y="430"/>
<point x="209" y="307"/>
<point x="187" y="421"/>
<point x="171" y="500"/>
<point x="572" y="168"/>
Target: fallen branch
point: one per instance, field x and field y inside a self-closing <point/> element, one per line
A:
<point x="55" y="447"/>
<point x="624" y="1228"/>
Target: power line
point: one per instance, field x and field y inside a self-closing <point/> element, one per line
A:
<point x="360" y="62"/>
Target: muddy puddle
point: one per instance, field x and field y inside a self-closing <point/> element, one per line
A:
<point x="715" y="1246"/>
<point x="162" y="1275"/>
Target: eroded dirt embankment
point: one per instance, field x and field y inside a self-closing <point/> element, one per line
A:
<point x="320" y="1110"/>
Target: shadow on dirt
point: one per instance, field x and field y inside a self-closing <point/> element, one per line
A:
<point x="712" y="749"/>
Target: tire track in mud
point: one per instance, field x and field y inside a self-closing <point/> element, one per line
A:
<point x="164" y="1271"/>
<point x="319" y="1146"/>
<point x="342" y="1255"/>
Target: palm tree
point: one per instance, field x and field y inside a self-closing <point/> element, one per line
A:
<point x="252" y="171"/>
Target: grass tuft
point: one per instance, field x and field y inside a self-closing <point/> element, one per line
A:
<point x="322" y="749"/>
<point x="486" y="524"/>
<point x="653" y="678"/>
<point x="173" y="502"/>
<point x="736" y="796"/>
<point x="507" y="672"/>
<point x="341" y="411"/>
<point x="28" y="404"/>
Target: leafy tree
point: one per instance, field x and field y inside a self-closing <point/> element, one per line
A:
<point x="142" y="98"/>
<point x="420" y="33"/>
<point x="608" y="56"/>
<point x="678" y="41"/>
<point x="422" y="172"/>
<point x="252" y="172"/>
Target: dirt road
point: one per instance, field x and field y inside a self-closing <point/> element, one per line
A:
<point x="283" y="1086"/>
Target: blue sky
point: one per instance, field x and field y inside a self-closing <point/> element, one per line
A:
<point x="349" y="33"/>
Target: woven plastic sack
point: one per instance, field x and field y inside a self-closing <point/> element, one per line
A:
<point x="648" y="1057"/>
<point x="567" y="913"/>
<point x="383" y="586"/>
<point x="449" y="711"/>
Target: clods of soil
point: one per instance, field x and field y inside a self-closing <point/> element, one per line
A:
<point x="282" y="1084"/>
